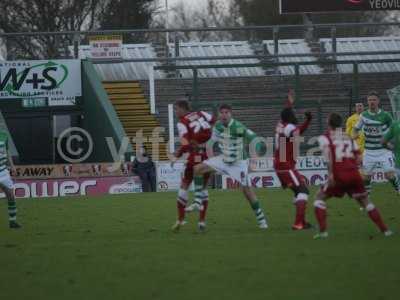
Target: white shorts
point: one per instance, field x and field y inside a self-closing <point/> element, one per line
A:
<point x="374" y="159"/>
<point x="5" y="179"/>
<point x="239" y="170"/>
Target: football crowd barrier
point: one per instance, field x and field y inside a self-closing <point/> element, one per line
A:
<point x="103" y="178"/>
<point x="175" y="36"/>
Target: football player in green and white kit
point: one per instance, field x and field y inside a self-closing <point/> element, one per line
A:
<point x="391" y="141"/>
<point x="6" y="183"/>
<point x="232" y="137"/>
<point x="375" y="123"/>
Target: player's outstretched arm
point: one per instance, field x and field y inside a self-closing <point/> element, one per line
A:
<point x="326" y="153"/>
<point x="387" y="138"/>
<point x="183" y="139"/>
<point x="256" y="147"/>
<point x="387" y="144"/>
<point x="355" y="133"/>
<point x="291" y="97"/>
<point x="303" y="127"/>
<point x="213" y="144"/>
<point x="357" y="128"/>
<point x="183" y="148"/>
<point x="249" y="135"/>
<point x="349" y="126"/>
<point x="11" y="163"/>
<point x="356" y="152"/>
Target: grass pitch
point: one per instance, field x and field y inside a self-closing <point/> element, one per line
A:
<point x="121" y="247"/>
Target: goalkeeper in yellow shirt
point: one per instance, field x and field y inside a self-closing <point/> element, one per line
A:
<point x="351" y="123"/>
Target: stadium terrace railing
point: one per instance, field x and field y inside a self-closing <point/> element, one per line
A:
<point x="238" y="57"/>
<point x="251" y="33"/>
<point x="297" y="76"/>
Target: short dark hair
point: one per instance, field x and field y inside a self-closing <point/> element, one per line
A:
<point x="184" y="104"/>
<point x="373" y="93"/>
<point x="288" y="116"/>
<point x="225" y="106"/>
<point x="335" y="120"/>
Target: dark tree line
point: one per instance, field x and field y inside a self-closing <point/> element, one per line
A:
<point x="78" y="15"/>
<point x="66" y="15"/>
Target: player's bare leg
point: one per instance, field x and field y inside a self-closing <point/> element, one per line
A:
<point x="202" y="169"/>
<point x="181" y="203"/>
<point x="300" y="201"/>
<point x="375" y="215"/>
<point x="255" y="205"/>
<point x="12" y="207"/>
<point x="366" y="180"/>
<point x="204" y="203"/>
<point x="320" y="214"/>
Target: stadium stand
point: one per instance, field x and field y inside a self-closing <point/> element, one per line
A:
<point x="365" y="44"/>
<point x="125" y="93"/>
<point x="217" y="49"/>
<point x="139" y="71"/>
<point x="256" y="92"/>
<point x="294" y="46"/>
<point x="133" y="110"/>
<point x="127" y="70"/>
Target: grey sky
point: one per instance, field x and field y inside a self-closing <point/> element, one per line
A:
<point x="188" y="2"/>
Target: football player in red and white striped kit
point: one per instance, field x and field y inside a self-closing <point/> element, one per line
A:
<point x="343" y="157"/>
<point x="286" y="133"/>
<point x="194" y="129"/>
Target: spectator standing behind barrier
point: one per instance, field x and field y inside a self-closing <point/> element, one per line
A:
<point x="352" y="121"/>
<point x="143" y="166"/>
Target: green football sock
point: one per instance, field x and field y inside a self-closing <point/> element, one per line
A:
<point x="258" y="211"/>
<point x="198" y="188"/>
<point x="368" y="185"/>
<point x="395" y="182"/>
<point x="12" y="210"/>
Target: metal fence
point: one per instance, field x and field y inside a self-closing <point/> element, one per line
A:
<point x="297" y="78"/>
<point x="38" y="45"/>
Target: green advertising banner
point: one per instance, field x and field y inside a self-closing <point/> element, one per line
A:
<point x="34" y="102"/>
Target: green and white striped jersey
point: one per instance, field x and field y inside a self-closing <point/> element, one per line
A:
<point x="3" y="151"/>
<point x="232" y="140"/>
<point x="374" y="126"/>
<point x="393" y="136"/>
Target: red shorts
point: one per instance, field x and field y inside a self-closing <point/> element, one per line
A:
<point x="194" y="158"/>
<point x="290" y="178"/>
<point x="350" y="183"/>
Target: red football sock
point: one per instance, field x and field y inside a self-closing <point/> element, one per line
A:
<point x="320" y="214"/>
<point x="300" y="212"/>
<point x="203" y="212"/>
<point x="181" y="211"/>
<point x="375" y="216"/>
